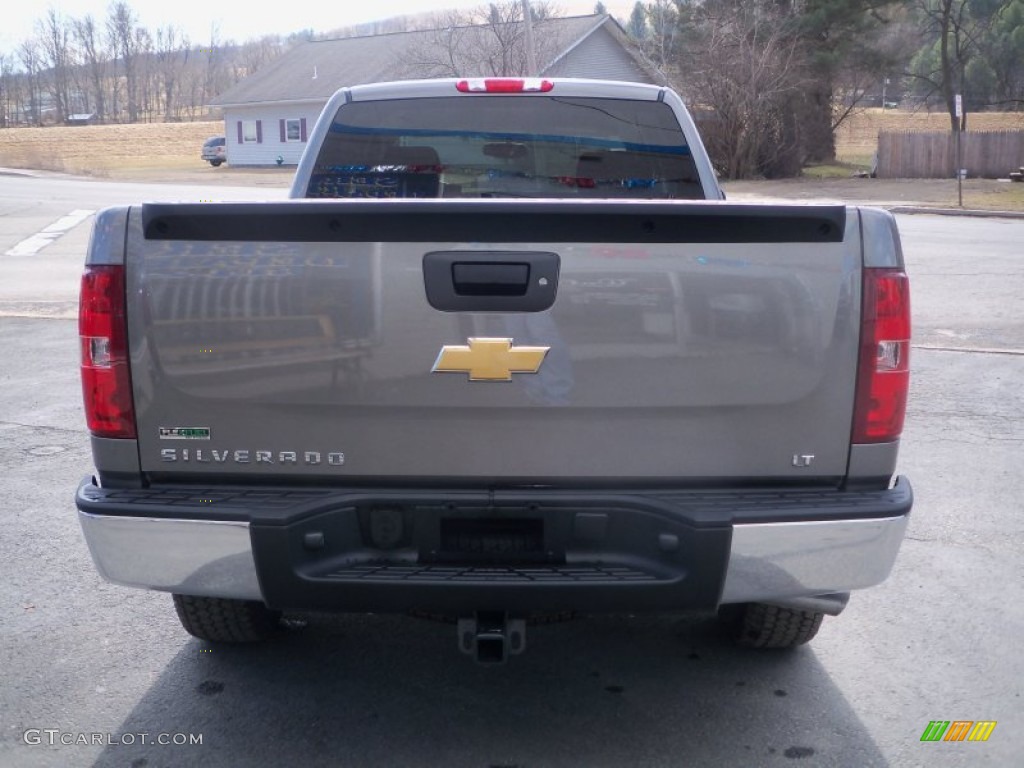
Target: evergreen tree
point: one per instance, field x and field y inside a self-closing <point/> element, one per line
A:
<point x="637" y="26"/>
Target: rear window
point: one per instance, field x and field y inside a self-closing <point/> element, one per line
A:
<point x="217" y="141"/>
<point x="501" y="146"/>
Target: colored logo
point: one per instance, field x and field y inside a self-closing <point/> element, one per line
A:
<point x="958" y="730"/>
<point x="490" y="359"/>
<point x="184" y="433"/>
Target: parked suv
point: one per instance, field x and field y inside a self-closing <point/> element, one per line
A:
<point x="214" y="151"/>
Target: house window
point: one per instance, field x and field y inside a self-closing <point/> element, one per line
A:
<point x="249" y="132"/>
<point x="293" y="129"/>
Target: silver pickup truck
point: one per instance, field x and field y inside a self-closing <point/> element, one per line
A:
<point x="511" y="355"/>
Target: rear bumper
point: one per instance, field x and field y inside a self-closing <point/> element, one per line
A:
<point x="190" y="557"/>
<point x="301" y="550"/>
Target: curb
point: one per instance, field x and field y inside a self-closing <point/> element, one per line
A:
<point x="973" y="212"/>
<point x="16" y="172"/>
<point x="32" y="173"/>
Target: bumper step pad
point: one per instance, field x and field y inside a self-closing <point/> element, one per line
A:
<point x="522" y="574"/>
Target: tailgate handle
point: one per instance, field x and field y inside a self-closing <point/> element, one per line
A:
<point x="498" y="279"/>
<point x="491" y="281"/>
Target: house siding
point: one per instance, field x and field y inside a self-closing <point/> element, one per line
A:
<point x="600" y="57"/>
<point x="270" y="122"/>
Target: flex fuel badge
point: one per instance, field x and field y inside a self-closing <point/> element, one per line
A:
<point x="184" y="433"/>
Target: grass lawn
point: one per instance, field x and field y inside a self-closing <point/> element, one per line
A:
<point x="836" y="170"/>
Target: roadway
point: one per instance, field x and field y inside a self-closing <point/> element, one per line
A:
<point x="939" y="640"/>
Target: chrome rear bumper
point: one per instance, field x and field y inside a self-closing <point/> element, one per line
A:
<point x="189" y="557"/>
<point x="770" y="562"/>
<point x="778" y="561"/>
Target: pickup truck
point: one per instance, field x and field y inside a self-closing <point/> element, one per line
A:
<point x="508" y="354"/>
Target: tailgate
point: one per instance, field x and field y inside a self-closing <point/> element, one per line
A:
<point x="661" y="341"/>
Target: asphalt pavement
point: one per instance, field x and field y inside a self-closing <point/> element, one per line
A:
<point x="85" y="661"/>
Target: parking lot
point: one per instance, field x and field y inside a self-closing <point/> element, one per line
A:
<point x="82" y="660"/>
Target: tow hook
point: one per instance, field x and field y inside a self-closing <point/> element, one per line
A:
<point x="491" y="636"/>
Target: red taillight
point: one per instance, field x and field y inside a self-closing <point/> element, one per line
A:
<point x="102" y="331"/>
<point x="504" y="85"/>
<point x="883" y="371"/>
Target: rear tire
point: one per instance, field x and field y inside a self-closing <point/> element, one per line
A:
<point x="216" y="163"/>
<point x="757" y="625"/>
<point x="222" y="620"/>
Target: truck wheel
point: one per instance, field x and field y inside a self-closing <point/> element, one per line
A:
<point x="221" y="620"/>
<point x="757" y="625"/>
<point x="216" y="163"/>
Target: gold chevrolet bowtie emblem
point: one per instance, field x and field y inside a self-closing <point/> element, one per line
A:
<point x="490" y="359"/>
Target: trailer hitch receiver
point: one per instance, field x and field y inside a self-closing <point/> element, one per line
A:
<point x="491" y="636"/>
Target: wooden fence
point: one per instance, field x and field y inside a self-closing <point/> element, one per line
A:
<point x="986" y="154"/>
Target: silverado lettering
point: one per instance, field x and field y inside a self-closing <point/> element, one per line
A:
<point x="207" y="455"/>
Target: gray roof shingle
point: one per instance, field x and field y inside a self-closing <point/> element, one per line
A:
<point x="314" y="70"/>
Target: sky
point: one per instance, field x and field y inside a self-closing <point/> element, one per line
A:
<point x="242" y="20"/>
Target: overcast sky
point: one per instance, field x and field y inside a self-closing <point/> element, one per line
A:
<point x="241" y="21"/>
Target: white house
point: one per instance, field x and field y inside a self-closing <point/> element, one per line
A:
<point x="269" y="114"/>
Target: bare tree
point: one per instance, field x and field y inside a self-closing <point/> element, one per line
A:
<point x="502" y="50"/>
<point x="7" y="88"/>
<point x="54" y="37"/>
<point x="216" y="75"/>
<point x="741" y="80"/>
<point x="121" y="23"/>
<point x="171" y="51"/>
<point x="193" y="79"/>
<point x="32" y="61"/>
<point x="148" y="75"/>
<point x="113" y="82"/>
<point x="484" y="41"/>
<point x="255" y="54"/>
<point x="123" y="70"/>
<point x="95" y="60"/>
<point x="441" y="52"/>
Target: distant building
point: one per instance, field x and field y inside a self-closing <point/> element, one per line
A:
<point x="270" y="114"/>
